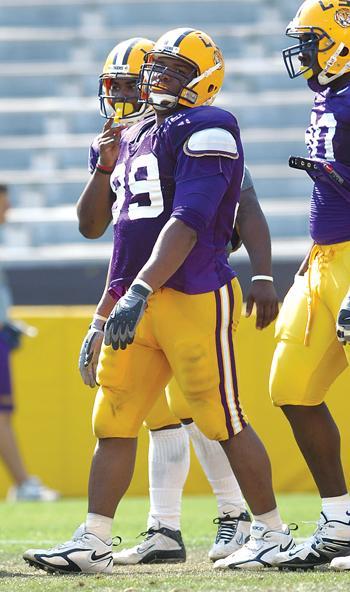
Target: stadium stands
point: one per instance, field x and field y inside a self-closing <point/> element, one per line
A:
<point x="51" y="54"/>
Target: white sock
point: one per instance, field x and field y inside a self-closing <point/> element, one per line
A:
<point x="168" y="465"/>
<point x="335" y="508"/>
<point x="99" y="525"/>
<point x="217" y="468"/>
<point x="270" y="519"/>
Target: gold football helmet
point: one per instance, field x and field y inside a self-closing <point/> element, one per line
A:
<point x="197" y="83"/>
<point x="122" y="66"/>
<point x="323" y="30"/>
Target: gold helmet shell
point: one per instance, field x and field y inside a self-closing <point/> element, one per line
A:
<point x="195" y="48"/>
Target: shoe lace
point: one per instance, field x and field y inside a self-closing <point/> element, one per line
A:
<point x="227" y="528"/>
<point x="148" y="534"/>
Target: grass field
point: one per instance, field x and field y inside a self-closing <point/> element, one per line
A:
<point x="43" y="525"/>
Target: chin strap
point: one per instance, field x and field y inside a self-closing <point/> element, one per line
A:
<point x="323" y="77"/>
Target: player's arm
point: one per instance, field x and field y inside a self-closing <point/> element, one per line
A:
<point x="94" y="204"/>
<point x="343" y="321"/>
<point x="92" y="342"/>
<point x="255" y="234"/>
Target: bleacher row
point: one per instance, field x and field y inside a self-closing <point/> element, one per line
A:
<point x="51" y="53"/>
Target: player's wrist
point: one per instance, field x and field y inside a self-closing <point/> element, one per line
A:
<point x="98" y="322"/>
<point x="106" y="168"/>
<point x="262" y="277"/>
<point x="142" y="288"/>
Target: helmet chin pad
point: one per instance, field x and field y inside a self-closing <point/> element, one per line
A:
<point x="162" y="101"/>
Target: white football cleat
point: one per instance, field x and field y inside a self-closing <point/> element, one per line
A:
<point x="233" y="533"/>
<point x="85" y="554"/>
<point x="32" y="490"/>
<point x="161" y="545"/>
<point x="340" y="563"/>
<point x="330" y="539"/>
<point x="260" y="550"/>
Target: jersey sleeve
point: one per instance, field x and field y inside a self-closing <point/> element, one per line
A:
<point x="94" y="154"/>
<point x="201" y="183"/>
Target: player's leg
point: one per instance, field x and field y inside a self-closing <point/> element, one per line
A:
<point x="201" y="354"/>
<point x="168" y="466"/>
<point x="311" y="368"/>
<point x="233" y="520"/>
<point x="131" y="381"/>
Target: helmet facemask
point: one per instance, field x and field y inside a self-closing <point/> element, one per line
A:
<point x="125" y="110"/>
<point x="312" y="41"/>
<point x="164" y="87"/>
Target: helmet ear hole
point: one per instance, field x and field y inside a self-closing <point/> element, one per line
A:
<point x="211" y="88"/>
<point x="344" y="52"/>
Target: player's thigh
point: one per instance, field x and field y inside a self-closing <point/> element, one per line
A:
<point x="177" y="401"/>
<point x="160" y="415"/>
<point x="199" y="346"/>
<point x="303" y="368"/>
<point x="130" y="381"/>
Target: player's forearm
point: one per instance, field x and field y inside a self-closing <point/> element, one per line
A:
<point x="107" y="302"/>
<point x="255" y="234"/>
<point x="94" y="206"/>
<point x="173" y="245"/>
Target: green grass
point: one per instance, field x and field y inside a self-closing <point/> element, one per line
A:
<point x="43" y="525"/>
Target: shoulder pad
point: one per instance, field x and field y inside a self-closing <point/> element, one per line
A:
<point x="213" y="141"/>
<point x="181" y="126"/>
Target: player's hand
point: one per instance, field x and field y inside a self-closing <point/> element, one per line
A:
<point x="109" y="142"/>
<point x="89" y="353"/>
<point x="262" y="293"/>
<point x="343" y="324"/>
<point x="124" y="318"/>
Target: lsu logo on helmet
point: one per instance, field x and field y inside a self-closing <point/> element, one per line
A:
<point x="323" y="30"/>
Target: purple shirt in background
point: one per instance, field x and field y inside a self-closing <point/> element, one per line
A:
<point x="155" y="180"/>
<point x="328" y="139"/>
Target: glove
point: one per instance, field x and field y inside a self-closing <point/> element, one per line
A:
<point x="89" y="353"/>
<point x="126" y="315"/>
<point x="343" y="321"/>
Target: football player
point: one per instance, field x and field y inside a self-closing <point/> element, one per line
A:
<point x="177" y="182"/>
<point x="169" y="443"/>
<point x="309" y="357"/>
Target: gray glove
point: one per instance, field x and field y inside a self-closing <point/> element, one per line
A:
<point x="343" y="321"/>
<point x="89" y="353"/>
<point x="121" y="326"/>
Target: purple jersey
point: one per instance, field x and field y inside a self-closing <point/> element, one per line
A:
<point x="156" y="177"/>
<point x="328" y="138"/>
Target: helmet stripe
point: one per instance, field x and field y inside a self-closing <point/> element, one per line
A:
<point x="129" y="49"/>
<point x="124" y="49"/>
<point x="174" y="39"/>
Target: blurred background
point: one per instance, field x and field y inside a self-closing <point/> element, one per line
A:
<point x="51" y="54"/>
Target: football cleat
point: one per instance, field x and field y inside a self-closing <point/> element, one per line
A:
<point x="260" y="550"/>
<point x="340" y="563"/>
<point x="32" y="490"/>
<point x="161" y="545"/>
<point x="85" y="553"/>
<point x="233" y="533"/>
<point x="330" y="539"/>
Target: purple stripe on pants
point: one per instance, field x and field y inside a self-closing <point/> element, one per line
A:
<point x="229" y="426"/>
<point x="232" y="358"/>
